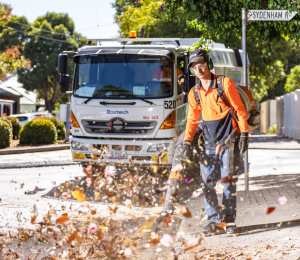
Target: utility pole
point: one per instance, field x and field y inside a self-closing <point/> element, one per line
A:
<point x="245" y="83"/>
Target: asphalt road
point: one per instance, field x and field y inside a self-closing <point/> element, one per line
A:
<point x="22" y="190"/>
<point x="21" y="193"/>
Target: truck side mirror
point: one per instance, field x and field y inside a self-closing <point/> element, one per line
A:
<point x="186" y="86"/>
<point x="64" y="83"/>
<point x="62" y="64"/>
<point x="63" y="70"/>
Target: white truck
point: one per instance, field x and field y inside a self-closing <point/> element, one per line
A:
<point x="119" y="113"/>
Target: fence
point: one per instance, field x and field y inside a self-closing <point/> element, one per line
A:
<point x="283" y="111"/>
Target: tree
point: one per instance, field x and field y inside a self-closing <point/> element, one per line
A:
<point x="10" y="61"/>
<point x="134" y="18"/>
<point x="149" y="15"/>
<point x="293" y="80"/>
<point x="14" y="32"/>
<point x="224" y="17"/>
<point x="50" y="35"/>
<point x="10" y="57"/>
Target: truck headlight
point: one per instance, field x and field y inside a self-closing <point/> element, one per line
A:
<point x="79" y="146"/>
<point x="158" y="147"/>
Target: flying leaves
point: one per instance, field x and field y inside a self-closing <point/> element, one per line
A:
<point x="61" y="220"/>
<point x="33" y="218"/>
<point x="78" y="195"/>
<point x="184" y="211"/>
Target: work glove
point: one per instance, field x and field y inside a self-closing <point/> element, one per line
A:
<point x="185" y="153"/>
<point x="243" y="144"/>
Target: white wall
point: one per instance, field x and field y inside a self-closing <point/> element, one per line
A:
<point x="265" y="116"/>
<point x="279" y="115"/>
<point x="27" y="108"/>
<point x="273" y="112"/>
<point x="284" y="112"/>
<point x="296" y="102"/>
<point x="287" y="115"/>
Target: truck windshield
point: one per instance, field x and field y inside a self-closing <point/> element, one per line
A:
<point x="111" y="76"/>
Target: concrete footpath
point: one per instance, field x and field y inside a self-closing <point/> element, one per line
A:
<point x="41" y="156"/>
<point x="253" y="206"/>
<point x="272" y="201"/>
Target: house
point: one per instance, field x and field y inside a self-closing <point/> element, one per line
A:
<point x="9" y="101"/>
<point x="24" y="100"/>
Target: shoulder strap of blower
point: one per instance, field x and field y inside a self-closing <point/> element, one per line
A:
<point x="221" y="94"/>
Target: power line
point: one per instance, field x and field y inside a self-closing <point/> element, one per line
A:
<point x="35" y="27"/>
<point x="56" y="32"/>
<point x="34" y="35"/>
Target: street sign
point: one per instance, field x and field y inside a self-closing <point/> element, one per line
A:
<point x="270" y="15"/>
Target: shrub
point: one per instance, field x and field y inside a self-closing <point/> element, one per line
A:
<point x="16" y="126"/>
<point x="5" y="134"/>
<point x="60" y="127"/>
<point x="38" y="131"/>
<point x="5" y="119"/>
<point x="272" y="129"/>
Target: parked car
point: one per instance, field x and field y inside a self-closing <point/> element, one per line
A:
<point x="24" y="118"/>
<point x="42" y="113"/>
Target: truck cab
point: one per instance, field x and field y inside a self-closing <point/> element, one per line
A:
<point x="121" y="112"/>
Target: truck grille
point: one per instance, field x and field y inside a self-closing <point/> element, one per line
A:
<point x="117" y="126"/>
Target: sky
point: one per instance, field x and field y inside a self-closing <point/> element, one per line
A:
<point x="92" y="18"/>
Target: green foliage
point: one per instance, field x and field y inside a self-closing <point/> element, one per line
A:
<point x="261" y="84"/>
<point x="5" y="11"/>
<point x="272" y="129"/>
<point x="132" y="16"/>
<point x="5" y="119"/>
<point x="170" y="28"/>
<point x="5" y="134"/>
<point x="16" y="125"/>
<point x="224" y="17"/>
<point x="60" y="127"/>
<point x="56" y="19"/>
<point x="38" y="131"/>
<point x="11" y="33"/>
<point x="293" y="80"/>
<point x="135" y="17"/>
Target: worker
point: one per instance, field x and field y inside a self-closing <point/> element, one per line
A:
<point x="218" y="123"/>
<point x="164" y="74"/>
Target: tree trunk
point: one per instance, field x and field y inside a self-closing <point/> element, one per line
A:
<point x="48" y="102"/>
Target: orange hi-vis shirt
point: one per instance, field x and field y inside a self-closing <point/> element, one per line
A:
<point x="160" y="74"/>
<point x="217" y="120"/>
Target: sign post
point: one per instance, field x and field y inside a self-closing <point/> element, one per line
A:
<point x="245" y="83"/>
<point x="257" y="15"/>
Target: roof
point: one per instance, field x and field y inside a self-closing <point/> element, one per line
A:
<point x="9" y="91"/>
<point x="12" y="85"/>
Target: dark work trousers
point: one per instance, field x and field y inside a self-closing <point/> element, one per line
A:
<point x="224" y="167"/>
